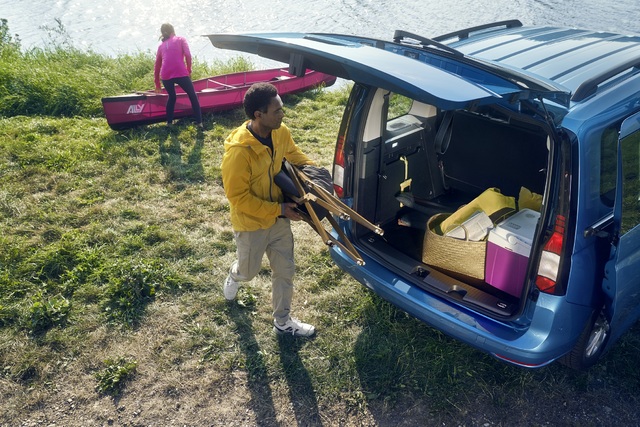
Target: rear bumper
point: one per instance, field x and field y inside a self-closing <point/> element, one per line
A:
<point x="553" y="330"/>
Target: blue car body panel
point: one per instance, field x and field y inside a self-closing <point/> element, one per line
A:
<point x="622" y="272"/>
<point x="547" y="337"/>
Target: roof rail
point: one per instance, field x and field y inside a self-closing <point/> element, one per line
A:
<point x="463" y="34"/>
<point x="398" y="35"/>
<point x="590" y="86"/>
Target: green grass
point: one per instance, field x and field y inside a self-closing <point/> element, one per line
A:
<point x="112" y="379"/>
<point x="116" y="243"/>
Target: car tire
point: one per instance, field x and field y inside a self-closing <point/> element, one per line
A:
<point x="591" y="343"/>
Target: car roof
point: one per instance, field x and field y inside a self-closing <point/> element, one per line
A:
<point x="503" y="60"/>
<point x="569" y="57"/>
<point x="433" y="75"/>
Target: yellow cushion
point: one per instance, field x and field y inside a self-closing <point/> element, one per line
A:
<point x="490" y="202"/>
<point x="529" y="200"/>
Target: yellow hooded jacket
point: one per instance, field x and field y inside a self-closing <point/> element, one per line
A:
<point x="248" y="168"/>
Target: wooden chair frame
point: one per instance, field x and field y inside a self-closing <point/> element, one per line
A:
<point x="318" y="195"/>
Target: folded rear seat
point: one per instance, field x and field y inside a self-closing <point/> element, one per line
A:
<point x="484" y="153"/>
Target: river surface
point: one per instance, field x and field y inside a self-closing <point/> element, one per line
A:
<point x="124" y="26"/>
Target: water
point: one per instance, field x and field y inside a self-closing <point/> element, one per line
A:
<point x="124" y="26"/>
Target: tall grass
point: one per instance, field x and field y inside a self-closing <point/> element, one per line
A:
<point x="113" y="248"/>
<point x="61" y="80"/>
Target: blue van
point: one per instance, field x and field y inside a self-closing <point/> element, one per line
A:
<point x="546" y="119"/>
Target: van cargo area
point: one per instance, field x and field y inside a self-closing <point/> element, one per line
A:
<point x="435" y="164"/>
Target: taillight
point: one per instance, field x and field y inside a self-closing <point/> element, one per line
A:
<point x="549" y="267"/>
<point x="553" y="260"/>
<point x="338" y="168"/>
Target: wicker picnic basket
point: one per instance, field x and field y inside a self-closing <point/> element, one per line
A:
<point x="461" y="257"/>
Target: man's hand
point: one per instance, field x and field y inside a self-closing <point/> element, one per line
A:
<point x="289" y="210"/>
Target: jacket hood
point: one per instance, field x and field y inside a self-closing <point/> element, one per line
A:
<point x="242" y="137"/>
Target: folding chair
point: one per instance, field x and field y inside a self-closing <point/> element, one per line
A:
<point x="310" y="193"/>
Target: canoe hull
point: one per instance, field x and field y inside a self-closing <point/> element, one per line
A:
<point x="217" y="93"/>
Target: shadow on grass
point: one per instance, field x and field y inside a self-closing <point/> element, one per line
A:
<point x="301" y="392"/>
<point x="257" y="374"/>
<point x="408" y="368"/>
<point x="171" y="155"/>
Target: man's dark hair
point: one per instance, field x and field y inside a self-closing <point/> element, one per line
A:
<point x="258" y="98"/>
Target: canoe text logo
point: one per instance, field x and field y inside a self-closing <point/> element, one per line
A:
<point x="135" y="109"/>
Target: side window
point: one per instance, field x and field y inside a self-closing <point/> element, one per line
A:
<point x="608" y="165"/>
<point x="630" y="182"/>
<point x="398" y="106"/>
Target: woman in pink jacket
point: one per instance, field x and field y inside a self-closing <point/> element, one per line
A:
<point x="173" y="66"/>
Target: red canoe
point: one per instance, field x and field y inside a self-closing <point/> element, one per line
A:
<point x="217" y="93"/>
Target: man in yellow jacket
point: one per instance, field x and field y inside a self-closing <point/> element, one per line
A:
<point x="259" y="216"/>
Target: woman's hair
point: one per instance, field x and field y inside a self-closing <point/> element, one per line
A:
<point x="167" y="31"/>
<point x="258" y="97"/>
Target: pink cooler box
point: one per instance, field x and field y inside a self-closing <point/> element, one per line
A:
<point x="508" y="249"/>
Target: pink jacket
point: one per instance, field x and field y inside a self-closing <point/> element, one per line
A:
<point x="170" y="60"/>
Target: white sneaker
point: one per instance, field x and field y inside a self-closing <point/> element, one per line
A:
<point x="294" y="327"/>
<point x="230" y="289"/>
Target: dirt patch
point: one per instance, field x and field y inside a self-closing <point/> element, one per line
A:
<point x="198" y="396"/>
<point x="237" y="407"/>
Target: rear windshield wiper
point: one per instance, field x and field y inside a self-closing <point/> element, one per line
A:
<point x="400" y="35"/>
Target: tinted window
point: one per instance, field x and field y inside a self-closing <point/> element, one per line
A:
<point x="608" y="165"/>
<point x="630" y="182"/>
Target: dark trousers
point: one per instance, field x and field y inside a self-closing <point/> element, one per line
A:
<point x="187" y="85"/>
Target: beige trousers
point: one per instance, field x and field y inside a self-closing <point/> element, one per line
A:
<point x="277" y="243"/>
